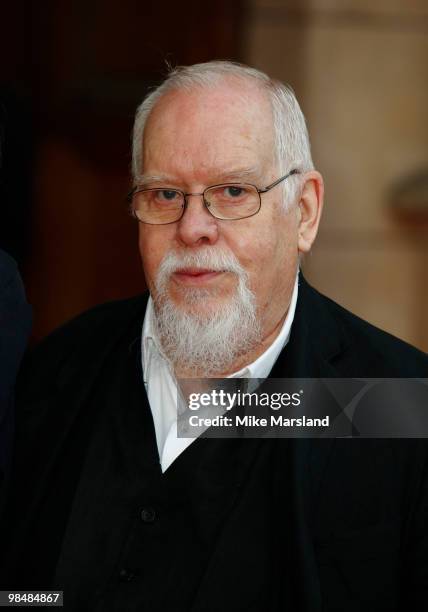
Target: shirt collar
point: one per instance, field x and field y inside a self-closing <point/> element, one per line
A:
<point x="149" y="343"/>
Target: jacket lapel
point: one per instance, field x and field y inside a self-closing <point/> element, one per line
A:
<point x="316" y="342"/>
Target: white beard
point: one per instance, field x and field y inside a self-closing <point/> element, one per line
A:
<point x="205" y="341"/>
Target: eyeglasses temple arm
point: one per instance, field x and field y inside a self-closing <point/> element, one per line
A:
<point x="295" y="171"/>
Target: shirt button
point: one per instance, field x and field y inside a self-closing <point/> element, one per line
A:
<point x="148" y="515"/>
<point x="126" y="575"/>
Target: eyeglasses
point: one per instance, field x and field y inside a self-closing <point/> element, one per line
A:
<point x="229" y="201"/>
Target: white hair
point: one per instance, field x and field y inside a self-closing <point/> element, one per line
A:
<point x="291" y="135"/>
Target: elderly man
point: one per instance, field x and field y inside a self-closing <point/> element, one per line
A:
<point x="114" y="508"/>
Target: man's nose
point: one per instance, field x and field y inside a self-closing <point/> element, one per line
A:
<point x="197" y="225"/>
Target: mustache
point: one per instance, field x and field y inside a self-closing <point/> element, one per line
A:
<point x="218" y="260"/>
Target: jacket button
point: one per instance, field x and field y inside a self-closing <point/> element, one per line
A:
<point x="148" y="515"/>
<point x="126" y="575"/>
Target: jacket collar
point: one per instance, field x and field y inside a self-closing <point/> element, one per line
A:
<point x="316" y="340"/>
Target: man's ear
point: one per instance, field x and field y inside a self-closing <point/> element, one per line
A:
<point x="310" y="208"/>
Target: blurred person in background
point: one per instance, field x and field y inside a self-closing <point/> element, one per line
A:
<point x="108" y="503"/>
<point x="15" y="324"/>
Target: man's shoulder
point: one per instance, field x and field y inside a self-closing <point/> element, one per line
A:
<point x="97" y="317"/>
<point x="379" y="352"/>
<point x="82" y="339"/>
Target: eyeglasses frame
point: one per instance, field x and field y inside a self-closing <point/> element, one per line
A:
<point x="137" y="189"/>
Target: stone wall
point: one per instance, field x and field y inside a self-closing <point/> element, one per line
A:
<point x="360" y="70"/>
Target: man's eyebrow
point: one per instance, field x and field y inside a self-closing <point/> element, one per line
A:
<point x="147" y="179"/>
<point x="238" y="174"/>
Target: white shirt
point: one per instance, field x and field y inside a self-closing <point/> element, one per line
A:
<point x="161" y="386"/>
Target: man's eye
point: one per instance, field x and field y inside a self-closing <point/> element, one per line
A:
<point x="167" y="194"/>
<point x="234" y="191"/>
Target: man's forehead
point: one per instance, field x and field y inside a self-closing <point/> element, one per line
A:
<point x="230" y="97"/>
<point x="226" y="128"/>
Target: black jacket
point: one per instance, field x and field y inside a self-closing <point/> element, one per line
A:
<point x="357" y="510"/>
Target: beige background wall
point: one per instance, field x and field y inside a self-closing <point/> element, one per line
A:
<point x="360" y="70"/>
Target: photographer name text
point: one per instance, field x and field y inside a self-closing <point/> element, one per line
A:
<point x="253" y="421"/>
